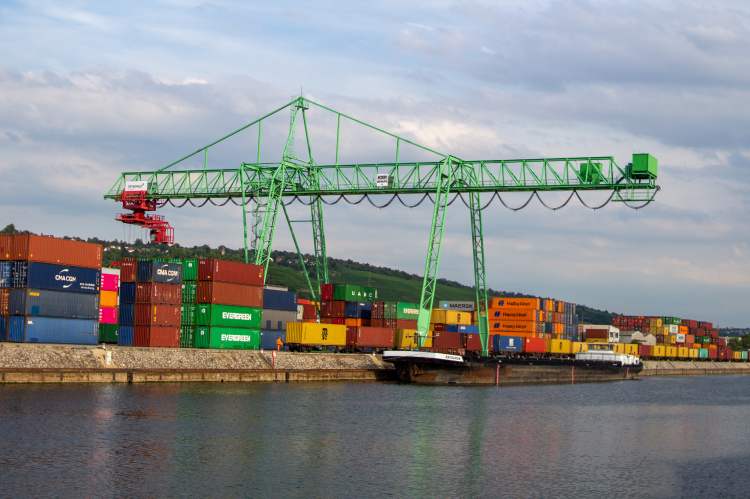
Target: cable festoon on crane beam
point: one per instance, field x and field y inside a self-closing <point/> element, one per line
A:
<point x="265" y="185"/>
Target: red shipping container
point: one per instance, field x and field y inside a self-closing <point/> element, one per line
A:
<point x="337" y="320"/>
<point x="644" y="350"/>
<point x="326" y="309"/>
<point x="309" y="311"/>
<point x="722" y="341"/>
<point x="338" y="309"/>
<point x="224" y="293"/>
<point x="404" y="324"/>
<point x="127" y="269"/>
<point x="474" y="342"/>
<point x="376" y="322"/>
<point x="110" y="282"/>
<point x="712" y="354"/>
<point x="659" y="339"/>
<point x="366" y="322"/>
<point x="445" y="339"/>
<point x="211" y="269"/>
<point x="370" y="337"/>
<point x="714" y="341"/>
<point x="597" y="333"/>
<point x="391" y="323"/>
<point x="535" y="345"/>
<point x="158" y="293"/>
<point x="47" y="249"/>
<point x="326" y="292"/>
<point x="714" y="334"/>
<point x="4" y="303"/>
<point x="6" y="247"/>
<point x="156" y="336"/>
<point x="326" y="320"/>
<point x="157" y="315"/>
<point x="108" y="315"/>
<point x="377" y="310"/>
<point x="438" y="327"/>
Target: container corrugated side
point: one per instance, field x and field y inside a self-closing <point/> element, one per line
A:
<point x="157" y="315"/>
<point x="47" y="303"/>
<point x="6" y="247"/>
<point x="268" y="339"/>
<point x="223" y="293"/>
<point x="127" y="292"/>
<point x="187" y="314"/>
<point x="277" y="319"/>
<point x="210" y="269"/>
<point x="186" y="336"/>
<point x="108" y="299"/>
<point x="371" y="337"/>
<point x="227" y="316"/>
<point x="305" y="333"/>
<point x="189" y="291"/>
<point x="200" y="338"/>
<point x="110" y="282"/>
<point x="125" y="336"/>
<point x="4" y="327"/>
<point x="156" y="336"/>
<point x="405" y="339"/>
<point x="228" y="338"/>
<point x="526" y="303"/>
<point x="6" y="273"/>
<point x="108" y="333"/>
<point x="164" y="272"/>
<point x="126" y="314"/>
<point x="158" y="293"/>
<point x="45" y="249"/>
<point x="5" y="301"/>
<point x="128" y="269"/>
<point x="55" y="277"/>
<point x="279" y="300"/>
<point x="189" y="269"/>
<point x="54" y="330"/>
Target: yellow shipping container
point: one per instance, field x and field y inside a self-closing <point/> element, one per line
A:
<point x="309" y="333"/>
<point x="440" y="316"/>
<point x="693" y="353"/>
<point x="108" y="299"/>
<point x="579" y="347"/>
<point x="658" y="351"/>
<point x="559" y="346"/>
<point x="406" y="339"/>
<point x="670" y="352"/>
<point x="631" y="349"/>
<point x="597" y="340"/>
<point x="682" y="352"/>
<point x="618" y="347"/>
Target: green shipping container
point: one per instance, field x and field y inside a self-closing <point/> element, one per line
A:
<point x="349" y="292"/>
<point x="703" y="340"/>
<point x="189" y="269"/>
<point x="702" y="353"/>
<point x="189" y="291"/>
<point x="227" y="316"/>
<point x="407" y="311"/>
<point x="200" y="337"/>
<point x="744" y="355"/>
<point x="232" y="338"/>
<point x="187" y="314"/>
<point x="186" y="336"/>
<point x="108" y="333"/>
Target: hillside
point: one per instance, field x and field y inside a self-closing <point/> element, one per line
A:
<point x="286" y="270"/>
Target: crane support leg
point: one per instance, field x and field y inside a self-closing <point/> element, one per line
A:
<point x="267" y="229"/>
<point x="429" y="284"/>
<point x="480" y="285"/>
<point x="319" y="240"/>
<point x="301" y="258"/>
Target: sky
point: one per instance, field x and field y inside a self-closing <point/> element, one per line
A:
<point x="89" y="90"/>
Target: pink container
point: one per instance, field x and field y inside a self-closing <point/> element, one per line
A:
<point x="108" y="315"/>
<point x="110" y="282"/>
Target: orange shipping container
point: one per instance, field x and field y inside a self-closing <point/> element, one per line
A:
<point x="515" y="314"/>
<point x="353" y="322"/>
<point x="513" y="326"/>
<point x="46" y="249"/>
<point x="527" y="303"/>
<point x="5" y="247"/>
<point x="108" y="299"/>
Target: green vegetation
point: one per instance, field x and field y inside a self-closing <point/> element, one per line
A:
<point x="287" y="270"/>
<point x="740" y="343"/>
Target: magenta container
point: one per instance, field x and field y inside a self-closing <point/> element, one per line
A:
<point x="108" y="315"/>
<point x="110" y="282"/>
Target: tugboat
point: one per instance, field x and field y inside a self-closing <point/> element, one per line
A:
<point x="599" y="364"/>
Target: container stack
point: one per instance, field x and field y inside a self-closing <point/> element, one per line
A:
<point x="308" y="309"/>
<point x="280" y="307"/>
<point x="356" y="307"/>
<point x="673" y="337"/>
<point x="229" y="303"/>
<point x="538" y="318"/>
<point x="189" y="296"/>
<point x="126" y="313"/>
<point x="158" y="304"/>
<point x="53" y="295"/>
<point x="109" y="301"/>
<point x="451" y="330"/>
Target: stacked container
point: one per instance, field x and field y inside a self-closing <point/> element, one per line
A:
<point x="336" y="305"/>
<point x="538" y="318"/>
<point x="280" y="307"/>
<point x="229" y="303"/>
<point x="158" y="304"/>
<point x="189" y="295"/>
<point x="109" y="301"/>
<point x="677" y="338"/>
<point x="126" y="313"/>
<point x="309" y="311"/>
<point x="54" y="290"/>
<point x="5" y="281"/>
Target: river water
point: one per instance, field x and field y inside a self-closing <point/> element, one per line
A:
<point x="658" y="437"/>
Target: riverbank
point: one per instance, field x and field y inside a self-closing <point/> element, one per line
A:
<point x="34" y="363"/>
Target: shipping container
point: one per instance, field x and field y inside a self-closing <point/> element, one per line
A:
<point x="456" y="328"/>
<point x="157" y="336"/>
<point x="65" y="252"/>
<point x="186" y="335"/>
<point x="559" y="346"/>
<point x="277" y="319"/>
<point x="227" y="316"/>
<point x="223" y="293"/>
<point x="348" y="292"/>
<point x="47" y="303"/>
<point x="108" y="333"/>
<point x="53" y="330"/>
<point x="513" y="326"/>
<point x="156" y="315"/>
<point x="210" y="269"/>
<point x="501" y="343"/>
<point x="108" y="299"/>
<point x="326" y="309"/>
<point x="279" y="300"/>
<point x="445" y="339"/>
<point x="127" y="292"/>
<point x="4" y="328"/>
<point x="406" y="339"/>
<point x="189" y="291"/>
<point x="6" y="273"/>
<point x="527" y="303"/>
<point x="158" y="293"/>
<point x="5" y="301"/>
<point x="516" y="314"/>
<point x="125" y="336"/>
<point x="338" y="309"/>
<point x="189" y="269"/>
<point x="268" y="339"/>
<point x="309" y="311"/>
<point x="128" y="270"/>
<point x="535" y="345"/>
<point x="579" y="347"/>
<point x="110" y="282"/>
<point x="357" y="310"/>
<point x="439" y="316"/>
<point x="6" y="246"/>
<point x="403" y="324"/>
<point x="370" y="337"/>
<point x="126" y="314"/>
<point x="326" y="292"/>
<point x="227" y="338"/>
<point x="187" y="314"/>
<point x="55" y="277"/>
<point x="108" y="315"/>
<point x="163" y="272"/>
<point x="303" y="333"/>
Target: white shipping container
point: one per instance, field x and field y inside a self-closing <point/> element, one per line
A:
<point x="679" y="338"/>
<point x="300" y="312"/>
<point x="674" y="329"/>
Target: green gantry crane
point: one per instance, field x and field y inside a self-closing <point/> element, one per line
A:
<point x="265" y="185"/>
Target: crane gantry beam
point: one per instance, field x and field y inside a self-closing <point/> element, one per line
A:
<point x="267" y="184"/>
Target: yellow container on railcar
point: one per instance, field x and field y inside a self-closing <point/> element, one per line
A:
<point x="658" y="351"/>
<point x="682" y="352"/>
<point x="309" y="333"/>
<point x="670" y="352"/>
<point x="631" y="349"/>
<point x="579" y="347"/>
<point x="406" y="339"/>
<point x="737" y="355"/>
<point x="618" y="347"/>
<point x="442" y="316"/>
<point x="693" y="353"/>
<point x="559" y="346"/>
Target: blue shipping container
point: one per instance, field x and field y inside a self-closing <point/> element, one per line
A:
<point x="268" y="339"/>
<point x="47" y="303"/>
<point x="358" y="310"/>
<point x="159" y="272"/>
<point x="3" y="327"/>
<point x="279" y="300"/>
<point x="127" y="292"/>
<point x="453" y="328"/>
<point x="6" y="272"/>
<point x="507" y="343"/>
<point x="53" y="330"/>
<point x="55" y="277"/>
<point x="125" y="336"/>
<point x="127" y="314"/>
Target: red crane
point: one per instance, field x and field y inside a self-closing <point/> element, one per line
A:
<point x="134" y="198"/>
